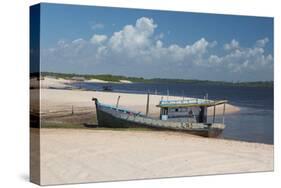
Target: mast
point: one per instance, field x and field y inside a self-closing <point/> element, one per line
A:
<point x="214" y="114"/>
<point x="117" y="104"/>
<point x="223" y="113"/>
<point x="147" y="104"/>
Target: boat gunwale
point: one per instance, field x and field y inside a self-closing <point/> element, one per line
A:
<point x="177" y="125"/>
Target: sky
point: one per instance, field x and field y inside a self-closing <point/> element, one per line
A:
<point x="155" y="44"/>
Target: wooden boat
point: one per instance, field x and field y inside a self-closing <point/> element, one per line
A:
<point x="107" y="88"/>
<point x="180" y="115"/>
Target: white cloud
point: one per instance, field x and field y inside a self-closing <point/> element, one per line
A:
<point x="234" y="44"/>
<point x="262" y="42"/>
<point x="78" y="41"/>
<point x="62" y="43"/>
<point x="133" y="38"/>
<point x="97" y="26"/>
<point x="213" y="44"/>
<point x="159" y="36"/>
<point x="214" y="60"/>
<point x="159" y="44"/>
<point x="98" y="39"/>
<point x="244" y="59"/>
<point x="137" y="41"/>
<point x="145" y="25"/>
<point x="200" y="46"/>
<point x="136" y="48"/>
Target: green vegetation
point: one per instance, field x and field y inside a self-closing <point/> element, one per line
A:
<point x="209" y="82"/>
<point x="105" y="77"/>
<point x="117" y="78"/>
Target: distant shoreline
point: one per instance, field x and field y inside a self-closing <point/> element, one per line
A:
<point x="108" y="78"/>
<point x="54" y="87"/>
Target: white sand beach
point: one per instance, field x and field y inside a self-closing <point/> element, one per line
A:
<point x="53" y="100"/>
<point x="95" y="81"/>
<point x="126" y="81"/>
<point x="60" y="83"/>
<point x="89" y="155"/>
<point x="79" y="155"/>
<point x="59" y="99"/>
<point x="49" y="82"/>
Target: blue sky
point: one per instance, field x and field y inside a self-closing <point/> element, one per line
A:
<point x="151" y="43"/>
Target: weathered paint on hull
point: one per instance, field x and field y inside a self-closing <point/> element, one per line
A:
<point x="108" y="118"/>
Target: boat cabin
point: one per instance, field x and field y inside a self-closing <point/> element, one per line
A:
<point x="195" y="110"/>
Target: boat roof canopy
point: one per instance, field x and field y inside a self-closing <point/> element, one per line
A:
<point x="189" y="103"/>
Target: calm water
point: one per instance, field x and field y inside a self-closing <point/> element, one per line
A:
<point x="253" y="123"/>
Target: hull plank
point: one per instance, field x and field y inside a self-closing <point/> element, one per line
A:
<point x="116" y="118"/>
